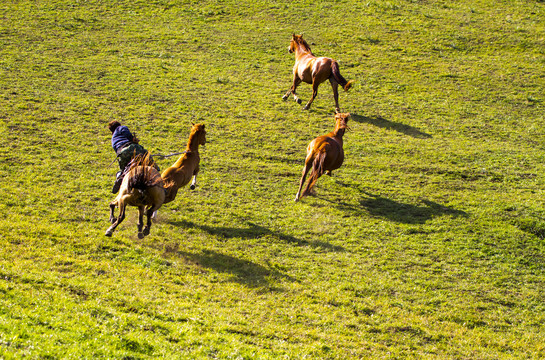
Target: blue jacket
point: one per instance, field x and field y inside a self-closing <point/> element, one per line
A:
<point x="121" y="137"/>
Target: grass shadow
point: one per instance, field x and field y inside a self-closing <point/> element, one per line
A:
<point x="281" y="159"/>
<point x="242" y="271"/>
<point x="254" y="231"/>
<point x="381" y="122"/>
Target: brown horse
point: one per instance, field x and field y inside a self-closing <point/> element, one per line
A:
<point x="186" y="168"/>
<point x="314" y="70"/>
<point x="325" y="153"/>
<point x="147" y="189"/>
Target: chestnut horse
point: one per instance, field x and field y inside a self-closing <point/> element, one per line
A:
<point x="314" y="70"/>
<point x="186" y="168"/>
<point x="325" y="153"/>
<point x="147" y="189"/>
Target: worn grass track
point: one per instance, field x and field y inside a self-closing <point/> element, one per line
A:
<point x="427" y="243"/>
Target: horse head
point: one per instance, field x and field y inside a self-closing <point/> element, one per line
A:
<point x="342" y="118"/>
<point x="198" y="131"/>
<point x="297" y="41"/>
<point x="342" y="121"/>
<point x="293" y="44"/>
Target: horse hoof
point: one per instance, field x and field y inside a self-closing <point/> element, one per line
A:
<point x="146" y="232"/>
<point x="192" y="187"/>
<point x="337" y="111"/>
<point x="109" y="233"/>
<point x="140" y="235"/>
<point x="298" y="100"/>
<point x="284" y="98"/>
<point x="306" y="107"/>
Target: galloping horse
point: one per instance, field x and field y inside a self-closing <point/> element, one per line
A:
<point x="148" y="190"/>
<point x="325" y="153"/>
<point x="314" y="70"/>
<point x="186" y="167"/>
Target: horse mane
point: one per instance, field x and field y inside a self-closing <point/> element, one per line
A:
<point x="140" y="160"/>
<point x="299" y="39"/>
<point x="142" y="173"/>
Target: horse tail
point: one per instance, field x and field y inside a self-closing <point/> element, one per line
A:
<point x="142" y="174"/>
<point x="339" y="78"/>
<point x="317" y="171"/>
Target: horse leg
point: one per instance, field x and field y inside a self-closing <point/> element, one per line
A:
<point x="149" y="214"/>
<point x="308" y="165"/>
<point x="194" y="181"/>
<point x="112" y="210"/>
<point x="296" y="82"/>
<point x="157" y="196"/>
<point x="315" y="85"/>
<point x="290" y="90"/>
<point x="287" y="95"/>
<point x="122" y="207"/>
<point x="334" y="86"/>
<point x="140" y="223"/>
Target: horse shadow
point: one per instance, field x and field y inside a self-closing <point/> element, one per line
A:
<point x="241" y="271"/>
<point x="254" y="231"/>
<point x="381" y="122"/>
<point x="379" y="206"/>
<point x="396" y="211"/>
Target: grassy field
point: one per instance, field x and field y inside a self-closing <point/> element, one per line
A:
<point x="427" y="243"/>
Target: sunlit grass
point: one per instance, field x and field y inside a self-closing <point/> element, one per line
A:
<point x="427" y="243"/>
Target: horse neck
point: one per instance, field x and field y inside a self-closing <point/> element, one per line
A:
<point x="192" y="147"/>
<point x="301" y="50"/>
<point x="192" y="143"/>
<point x="338" y="133"/>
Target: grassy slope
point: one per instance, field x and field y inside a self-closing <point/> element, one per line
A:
<point x="428" y="242"/>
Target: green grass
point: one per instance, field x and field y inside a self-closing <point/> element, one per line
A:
<point x="427" y="243"/>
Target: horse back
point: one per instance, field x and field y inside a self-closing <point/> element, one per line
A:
<point x="180" y="173"/>
<point x="305" y="67"/>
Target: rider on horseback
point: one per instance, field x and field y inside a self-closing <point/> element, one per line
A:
<point x="126" y="146"/>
